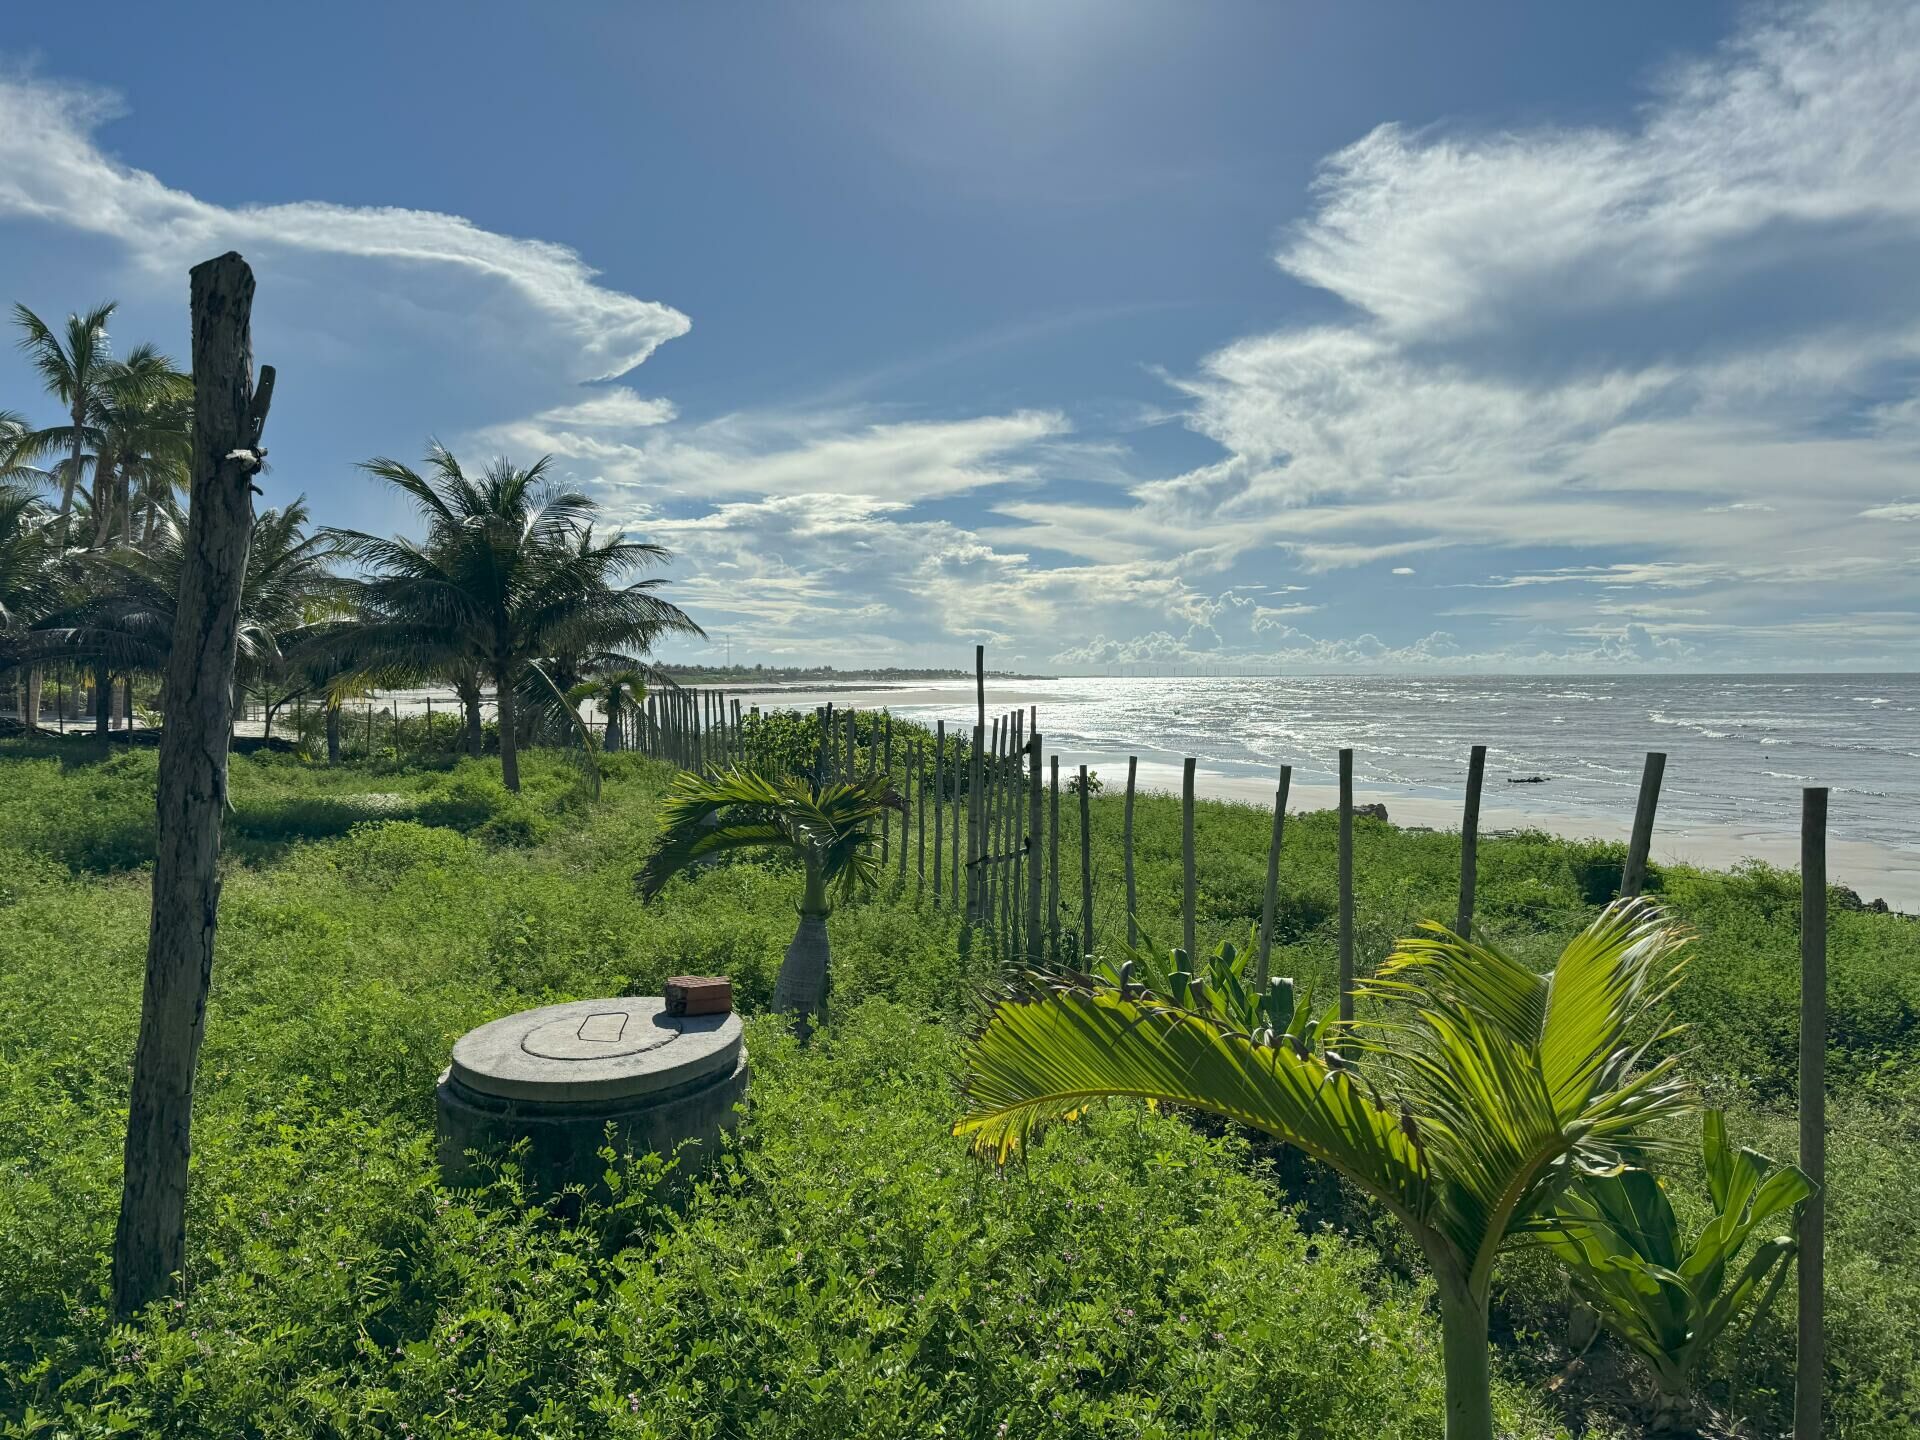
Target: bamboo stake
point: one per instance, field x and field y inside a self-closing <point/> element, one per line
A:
<point x="920" y="830"/>
<point x="1470" y="842"/>
<point x="1186" y="858"/>
<point x="1810" y="1362"/>
<point x="1346" y="885"/>
<point x="1264" y="969"/>
<point x="989" y="820"/>
<point x="1633" y="875"/>
<point x="1126" y="854"/>
<point x="1086" y="869"/>
<point x="1034" y="800"/>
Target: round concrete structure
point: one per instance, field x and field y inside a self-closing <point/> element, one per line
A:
<point x="558" y="1076"/>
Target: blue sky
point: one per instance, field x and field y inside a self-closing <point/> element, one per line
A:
<point x="1469" y="337"/>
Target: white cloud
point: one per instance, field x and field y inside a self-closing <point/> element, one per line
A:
<point x="1403" y="570"/>
<point x="615" y="408"/>
<point x="53" y="171"/>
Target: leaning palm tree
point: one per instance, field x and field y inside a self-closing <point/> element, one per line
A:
<point x="832" y="830"/>
<point x="1476" y="1093"/>
<point x="76" y="371"/>
<point x="508" y="573"/>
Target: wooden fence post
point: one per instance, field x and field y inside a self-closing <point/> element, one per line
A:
<point x="1633" y="875"/>
<point x="886" y="816"/>
<point x="1053" y="858"/>
<point x="1263" y="971"/>
<point x="1035" y="798"/>
<point x="1346" y="885"/>
<point x="1470" y="842"/>
<point x="1126" y="854"/>
<point x="229" y="414"/>
<point x="953" y="838"/>
<point x="1186" y="860"/>
<point x="939" y="801"/>
<point x="1810" y="1362"/>
<point x="975" y="830"/>
<point x="1086" y="869"/>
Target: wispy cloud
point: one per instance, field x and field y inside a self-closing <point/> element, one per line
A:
<point x="53" y="170"/>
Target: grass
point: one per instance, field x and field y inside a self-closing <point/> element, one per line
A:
<point x="845" y="1270"/>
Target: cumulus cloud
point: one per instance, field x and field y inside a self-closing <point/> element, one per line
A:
<point x="53" y="170"/>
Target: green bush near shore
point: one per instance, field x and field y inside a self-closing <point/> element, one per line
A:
<point x="846" y="1270"/>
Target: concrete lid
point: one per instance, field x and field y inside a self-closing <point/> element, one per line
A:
<point x="592" y="1050"/>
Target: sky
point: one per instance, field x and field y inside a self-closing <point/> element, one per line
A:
<point x="1114" y="335"/>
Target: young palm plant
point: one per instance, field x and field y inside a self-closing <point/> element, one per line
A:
<point x="615" y="692"/>
<point x="1663" y="1293"/>
<point x="832" y="830"/>
<point x="1476" y="1093"/>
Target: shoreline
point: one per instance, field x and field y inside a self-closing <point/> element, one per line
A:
<point x="1872" y="870"/>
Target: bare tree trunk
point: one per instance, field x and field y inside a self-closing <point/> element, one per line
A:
<point x="509" y="737"/>
<point x="149" y="1243"/>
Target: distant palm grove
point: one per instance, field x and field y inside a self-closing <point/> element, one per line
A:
<point x="509" y="590"/>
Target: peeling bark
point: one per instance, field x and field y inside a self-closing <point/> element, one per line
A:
<point x="149" y="1243"/>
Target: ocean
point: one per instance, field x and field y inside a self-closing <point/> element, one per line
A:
<point x="1739" y="748"/>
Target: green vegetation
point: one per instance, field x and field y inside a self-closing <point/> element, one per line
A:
<point x="1667" y="1294"/>
<point x="848" y="1270"/>
<point x="1460" y="1110"/>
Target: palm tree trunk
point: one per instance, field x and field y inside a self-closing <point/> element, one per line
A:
<point x="73" y="469"/>
<point x="104" y="498"/>
<point x="333" y="733"/>
<point x="612" y="740"/>
<point x="801" y="988"/>
<point x="35" y="680"/>
<point x="102" y="698"/>
<point x="1463" y="1348"/>
<point x="469" y="692"/>
<point x="509" y="738"/>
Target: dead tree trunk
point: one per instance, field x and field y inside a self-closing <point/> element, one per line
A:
<point x="149" y="1244"/>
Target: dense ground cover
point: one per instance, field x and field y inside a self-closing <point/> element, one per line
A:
<point x="846" y="1270"/>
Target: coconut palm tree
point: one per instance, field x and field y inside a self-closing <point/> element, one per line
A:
<point x="76" y="371"/>
<point x="508" y="573"/>
<point x="615" y="692"/>
<point x="29" y="586"/>
<point x="124" y="618"/>
<point x="145" y="418"/>
<point x="833" y="831"/>
<point x="1475" y="1095"/>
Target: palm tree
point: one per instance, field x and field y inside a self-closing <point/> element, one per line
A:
<point x="76" y="372"/>
<point x="145" y="418"/>
<point x="833" y="831"/>
<point x="124" y="618"/>
<point x="615" y="692"/>
<point x="1472" y="1099"/>
<point x="508" y="573"/>
<point x="29" y="585"/>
